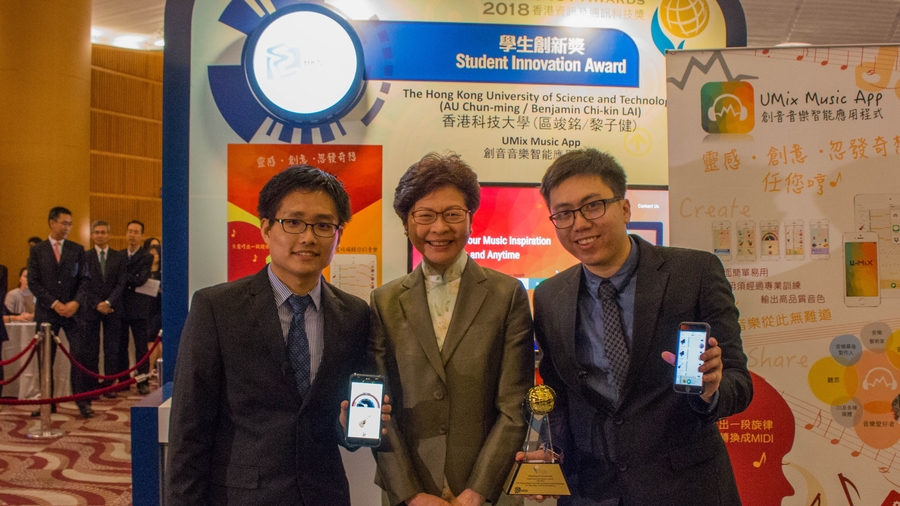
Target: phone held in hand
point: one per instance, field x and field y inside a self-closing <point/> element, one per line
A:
<point x="364" y="413"/>
<point x="692" y="339"/>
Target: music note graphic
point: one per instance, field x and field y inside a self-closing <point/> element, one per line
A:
<point x="856" y="453"/>
<point x="836" y="440"/>
<point x="815" y="423"/>
<point x="761" y="461"/>
<point x="254" y="258"/>
<point x="827" y="57"/>
<point x="887" y="469"/>
<point x="233" y="232"/>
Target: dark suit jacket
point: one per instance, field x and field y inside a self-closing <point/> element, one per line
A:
<point x="457" y="410"/>
<point x="100" y="288"/>
<point x="137" y="272"/>
<point x="50" y="281"/>
<point x="239" y="432"/>
<point x="3" y="287"/>
<point x="655" y="448"/>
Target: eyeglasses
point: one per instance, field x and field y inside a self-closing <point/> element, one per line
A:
<point x="322" y="229"/>
<point x="425" y="217"/>
<point x="64" y="223"/>
<point x="591" y="211"/>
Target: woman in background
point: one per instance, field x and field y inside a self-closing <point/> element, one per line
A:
<point x="154" y="323"/>
<point x="457" y="364"/>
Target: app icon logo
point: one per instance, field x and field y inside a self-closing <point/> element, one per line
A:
<point x="727" y="107"/>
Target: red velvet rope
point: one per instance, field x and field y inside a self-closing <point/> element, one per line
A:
<point x="77" y="397"/>
<point x="24" y="366"/>
<point x="20" y="355"/>
<point x="111" y="376"/>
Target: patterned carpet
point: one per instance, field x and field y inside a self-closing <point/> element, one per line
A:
<point x="89" y="465"/>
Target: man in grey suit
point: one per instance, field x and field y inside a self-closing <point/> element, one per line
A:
<point x="608" y="327"/>
<point x="264" y="363"/>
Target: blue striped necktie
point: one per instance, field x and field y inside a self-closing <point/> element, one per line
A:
<point x="298" y="343"/>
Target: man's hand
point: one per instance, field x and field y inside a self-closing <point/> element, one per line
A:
<point x="385" y="414"/>
<point x="68" y="309"/>
<point x="424" y="499"/>
<point x="536" y="456"/>
<point x="711" y="368"/>
<point x="468" y="497"/>
<point x="104" y="308"/>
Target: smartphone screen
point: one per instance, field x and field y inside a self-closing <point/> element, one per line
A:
<point x="722" y="239"/>
<point x="364" y="416"/>
<point x="793" y="240"/>
<point x="818" y="240"/>
<point x="746" y="240"/>
<point x="861" y="269"/>
<point x="692" y="339"/>
<point x="768" y="234"/>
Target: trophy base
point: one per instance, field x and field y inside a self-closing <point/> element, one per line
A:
<point x="537" y="478"/>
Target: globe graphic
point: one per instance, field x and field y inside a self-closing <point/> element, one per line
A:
<point x="540" y="399"/>
<point x="684" y="18"/>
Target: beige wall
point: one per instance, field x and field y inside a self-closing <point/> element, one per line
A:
<point x="45" y="86"/>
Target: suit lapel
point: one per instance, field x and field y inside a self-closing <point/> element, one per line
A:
<point x="414" y="303"/>
<point x="468" y="302"/>
<point x="332" y="353"/>
<point x="565" y="311"/>
<point x="262" y="305"/>
<point x="648" y="297"/>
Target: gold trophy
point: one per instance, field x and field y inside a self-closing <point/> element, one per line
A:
<point x="538" y="475"/>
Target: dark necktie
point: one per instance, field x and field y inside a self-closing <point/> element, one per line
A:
<point x="297" y="342"/>
<point x="103" y="263"/>
<point x="614" y="334"/>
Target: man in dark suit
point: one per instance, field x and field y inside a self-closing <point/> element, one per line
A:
<point x="102" y="303"/>
<point x="608" y="327"/>
<point x="56" y="277"/>
<point x="137" y="305"/>
<point x="4" y="284"/>
<point x="264" y="363"/>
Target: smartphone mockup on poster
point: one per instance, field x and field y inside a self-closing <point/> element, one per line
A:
<point x="768" y="240"/>
<point x="692" y="338"/>
<point x="722" y="239"/>
<point x="746" y="240"/>
<point x="861" y="286"/>
<point x="794" y="245"/>
<point x="880" y="213"/>
<point x="819" y="248"/>
<point x="364" y="415"/>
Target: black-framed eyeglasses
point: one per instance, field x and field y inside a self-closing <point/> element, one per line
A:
<point x="427" y="217"/>
<point x="591" y="211"/>
<point x="295" y="226"/>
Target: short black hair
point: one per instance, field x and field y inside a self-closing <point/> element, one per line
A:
<point x="584" y="162"/>
<point x="56" y="211"/>
<point x="138" y="222"/>
<point x="432" y="173"/>
<point x="304" y="178"/>
<point x="34" y="240"/>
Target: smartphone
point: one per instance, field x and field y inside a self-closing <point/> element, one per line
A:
<point x="861" y="286"/>
<point x="746" y="240"/>
<point x="794" y="248"/>
<point x="768" y="234"/>
<point x="692" y="337"/>
<point x="722" y="239"/>
<point x="818" y="240"/>
<point x="364" y="416"/>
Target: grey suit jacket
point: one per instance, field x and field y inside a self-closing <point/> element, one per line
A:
<point x="654" y="448"/>
<point x="239" y="431"/>
<point x="457" y="411"/>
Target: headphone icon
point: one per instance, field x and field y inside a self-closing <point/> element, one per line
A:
<point x="866" y="383"/>
<point x="714" y="116"/>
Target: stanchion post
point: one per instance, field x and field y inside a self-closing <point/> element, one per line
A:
<point x="45" y="431"/>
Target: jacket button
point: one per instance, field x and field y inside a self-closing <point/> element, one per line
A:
<point x="443" y="429"/>
<point x="438" y="394"/>
<point x="618" y="420"/>
<point x="623" y="467"/>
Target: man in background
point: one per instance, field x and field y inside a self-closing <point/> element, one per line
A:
<point x="137" y="305"/>
<point x="102" y="304"/>
<point x="56" y="277"/>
